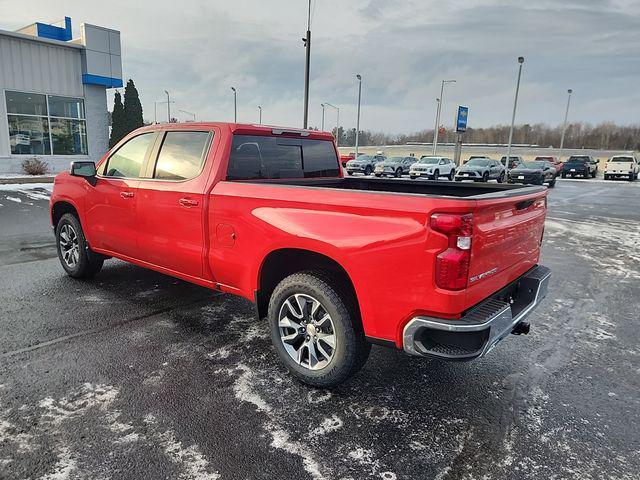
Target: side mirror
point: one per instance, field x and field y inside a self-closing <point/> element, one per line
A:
<point x="84" y="169"/>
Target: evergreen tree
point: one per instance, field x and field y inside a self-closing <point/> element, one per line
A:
<point x="117" y="120"/>
<point x="132" y="108"/>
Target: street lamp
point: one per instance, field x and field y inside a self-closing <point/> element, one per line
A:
<point x="513" y="119"/>
<point x="359" y="77"/>
<point x="259" y="114"/>
<point x="168" y="107"/>
<point x="322" y="125"/>
<point x="337" y="121"/>
<point x="440" y="102"/>
<point x="307" y="46"/>
<point x="189" y="113"/>
<point x="235" y="105"/>
<point x="564" y="126"/>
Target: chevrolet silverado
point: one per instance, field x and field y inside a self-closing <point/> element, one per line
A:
<point x="334" y="264"/>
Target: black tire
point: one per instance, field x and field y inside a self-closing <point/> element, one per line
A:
<point x="552" y="183"/>
<point x="412" y="177"/>
<point x="436" y="174"/>
<point x="459" y="179"/>
<point x="594" y="173"/>
<point x="398" y="172"/>
<point x="378" y="174"/>
<point x="351" y="348"/>
<point x="367" y="170"/>
<point x="350" y="173"/>
<point x="632" y="177"/>
<point x="452" y="175"/>
<point x="564" y="175"/>
<point x="87" y="262"/>
<point x="485" y="177"/>
<point x="606" y="177"/>
<point x="501" y="178"/>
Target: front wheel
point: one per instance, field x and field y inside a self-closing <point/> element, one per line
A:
<point x="552" y="183"/>
<point x="77" y="259"/>
<point x="501" y="178"/>
<point x="564" y="175"/>
<point x="398" y="173"/>
<point x="368" y="170"/>
<point x="350" y="173"/>
<point x="485" y="177"/>
<point x="412" y="177"/>
<point x="436" y="174"/>
<point x="315" y="329"/>
<point x="452" y="175"/>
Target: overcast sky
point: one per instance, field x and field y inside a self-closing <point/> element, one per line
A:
<point x="402" y="49"/>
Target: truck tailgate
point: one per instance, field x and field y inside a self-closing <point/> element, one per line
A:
<point x="507" y="235"/>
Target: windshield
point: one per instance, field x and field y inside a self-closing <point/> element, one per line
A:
<point x="395" y="159"/>
<point x="533" y="164"/>
<point x="365" y="158"/>
<point x="622" y="159"/>
<point x="478" y="162"/>
<point x="548" y="159"/>
<point x="429" y="160"/>
<point x="578" y="159"/>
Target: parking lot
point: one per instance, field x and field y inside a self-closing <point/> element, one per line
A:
<point x="135" y="374"/>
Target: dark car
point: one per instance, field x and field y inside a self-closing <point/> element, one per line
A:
<point x="580" y="165"/>
<point x="536" y="172"/>
<point x="514" y="161"/>
<point x="555" y="160"/>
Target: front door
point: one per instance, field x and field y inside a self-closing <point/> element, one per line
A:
<point x="111" y="206"/>
<point x="171" y="203"/>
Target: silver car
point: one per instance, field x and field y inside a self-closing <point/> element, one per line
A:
<point x="364" y="164"/>
<point x="395" y="166"/>
<point x="481" y="170"/>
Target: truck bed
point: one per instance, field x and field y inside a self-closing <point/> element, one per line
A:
<point x="445" y="189"/>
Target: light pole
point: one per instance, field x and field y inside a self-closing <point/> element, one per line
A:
<point x="435" y="132"/>
<point x="322" y="126"/>
<point x="359" y="77"/>
<point x="337" y="121"/>
<point x="513" y="119"/>
<point x="235" y="105"/>
<point x="155" y="112"/>
<point x="307" y="45"/>
<point x="259" y="114"/>
<point x="189" y="113"/>
<point x="440" y="102"/>
<point x="168" y="107"/>
<point x="564" y="126"/>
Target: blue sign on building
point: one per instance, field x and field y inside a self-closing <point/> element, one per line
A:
<point x="461" y="122"/>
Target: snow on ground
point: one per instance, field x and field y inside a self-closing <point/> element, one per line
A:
<point x="20" y="187"/>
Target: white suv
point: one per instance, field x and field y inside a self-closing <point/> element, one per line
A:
<point x="627" y="166"/>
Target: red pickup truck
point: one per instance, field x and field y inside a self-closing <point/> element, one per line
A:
<point x="335" y="264"/>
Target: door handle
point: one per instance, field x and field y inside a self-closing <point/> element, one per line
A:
<point x="126" y="194"/>
<point x="188" y="202"/>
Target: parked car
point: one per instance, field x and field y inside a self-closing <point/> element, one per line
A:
<point x="514" y="161"/>
<point x="265" y="213"/>
<point x="345" y="158"/>
<point x="433" y="167"/>
<point x="364" y="164"/>
<point x="536" y="172"/>
<point x="394" y="166"/>
<point x="622" y="166"/>
<point x="484" y="157"/>
<point x="480" y="170"/>
<point x="558" y="165"/>
<point x="583" y="165"/>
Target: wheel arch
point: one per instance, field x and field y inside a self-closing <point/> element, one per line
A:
<point x="60" y="208"/>
<point x="279" y="264"/>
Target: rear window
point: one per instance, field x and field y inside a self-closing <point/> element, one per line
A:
<point x="622" y="159"/>
<point x="262" y="157"/>
<point x="578" y="159"/>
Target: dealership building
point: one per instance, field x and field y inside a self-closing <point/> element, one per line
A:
<point x="53" y="100"/>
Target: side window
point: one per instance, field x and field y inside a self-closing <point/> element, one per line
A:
<point x="127" y="161"/>
<point x="181" y="155"/>
<point x="319" y="158"/>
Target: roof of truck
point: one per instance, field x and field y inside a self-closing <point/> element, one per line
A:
<point x="244" y="128"/>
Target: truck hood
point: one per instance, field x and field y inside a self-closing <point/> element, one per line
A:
<point x="525" y="171"/>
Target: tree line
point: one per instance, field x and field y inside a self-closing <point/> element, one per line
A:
<point x="127" y="116"/>
<point x="604" y="136"/>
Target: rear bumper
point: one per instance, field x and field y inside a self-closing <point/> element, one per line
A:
<point x="483" y="326"/>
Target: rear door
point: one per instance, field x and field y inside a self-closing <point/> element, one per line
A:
<point x="507" y="234"/>
<point x="111" y="208"/>
<point x="171" y="202"/>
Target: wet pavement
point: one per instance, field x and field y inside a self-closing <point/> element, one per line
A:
<point x="138" y="375"/>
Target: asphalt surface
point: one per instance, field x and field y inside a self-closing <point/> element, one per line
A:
<point x="138" y="375"/>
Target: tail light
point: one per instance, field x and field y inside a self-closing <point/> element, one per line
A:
<point x="452" y="265"/>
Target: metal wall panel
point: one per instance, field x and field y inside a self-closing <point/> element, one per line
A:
<point x="40" y="67"/>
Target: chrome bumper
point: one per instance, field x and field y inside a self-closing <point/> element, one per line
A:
<point x="483" y="326"/>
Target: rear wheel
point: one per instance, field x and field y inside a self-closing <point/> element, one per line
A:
<point x="485" y="177"/>
<point x="315" y="330"/>
<point x="77" y="259"/>
<point x="452" y="175"/>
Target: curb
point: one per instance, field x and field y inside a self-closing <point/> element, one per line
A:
<point x="30" y="179"/>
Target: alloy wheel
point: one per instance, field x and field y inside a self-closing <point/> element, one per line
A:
<point x="307" y="331"/>
<point x="69" y="246"/>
